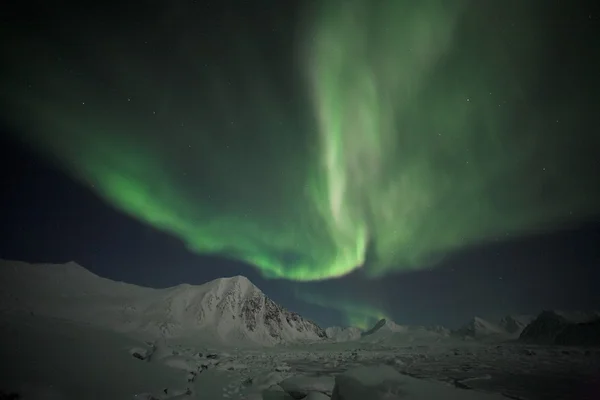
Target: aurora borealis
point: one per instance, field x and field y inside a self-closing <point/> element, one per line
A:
<point x="378" y="136"/>
<point x="356" y="313"/>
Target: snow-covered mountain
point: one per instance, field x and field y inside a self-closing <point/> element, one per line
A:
<point x="514" y="324"/>
<point x="384" y="326"/>
<point x="227" y="310"/>
<point x="565" y="328"/>
<point x="479" y="328"/>
<point x="440" y="330"/>
<point x="339" y="334"/>
<point x="390" y="332"/>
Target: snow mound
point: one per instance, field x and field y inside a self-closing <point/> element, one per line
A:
<point x="384" y="382"/>
<point x="226" y="310"/>
<point x="299" y="386"/>
<point x="564" y="328"/>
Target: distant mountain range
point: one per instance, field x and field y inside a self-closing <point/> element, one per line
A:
<point x="549" y="327"/>
<point x="234" y="311"/>
<point x="514" y="324"/>
<point x="231" y="310"/>
<point x="386" y="330"/>
<point x="509" y="326"/>
<point x="339" y="334"/>
<point x="564" y="328"/>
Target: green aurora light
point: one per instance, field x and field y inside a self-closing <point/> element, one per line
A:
<point x="357" y="314"/>
<point x="414" y="131"/>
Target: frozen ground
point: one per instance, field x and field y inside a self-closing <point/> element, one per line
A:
<point x="516" y="371"/>
<point x="66" y="333"/>
<point x="46" y="358"/>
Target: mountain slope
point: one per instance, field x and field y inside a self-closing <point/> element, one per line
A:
<point x="227" y="310"/>
<point x="339" y="334"/>
<point x="514" y="324"/>
<point x="383" y="327"/>
<point x="479" y="328"/>
<point x="389" y="332"/>
<point x="557" y="327"/>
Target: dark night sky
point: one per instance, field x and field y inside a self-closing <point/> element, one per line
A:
<point x="205" y="108"/>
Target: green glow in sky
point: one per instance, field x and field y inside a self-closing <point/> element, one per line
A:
<point x="358" y="314"/>
<point x="414" y="129"/>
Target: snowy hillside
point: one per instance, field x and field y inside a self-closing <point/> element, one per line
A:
<point x="229" y="310"/>
<point x="82" y="355"/>
<point x="339" y="334"/>
<point x="557" y="327"/>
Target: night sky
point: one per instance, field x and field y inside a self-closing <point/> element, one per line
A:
<point x="422" y="161"/>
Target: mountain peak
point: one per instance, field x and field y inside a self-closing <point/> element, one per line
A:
<point x="479" y="327"/>
<point x="514" y="324"/>
<point x="340" y="334"/>
<point x="566" y="328"/>
<point x="227" y="310"/>
<point x="384" y="325"/>
<point x="380" y="324"/>
<point x="238" y="278"/>
<point x="64" y="270"/>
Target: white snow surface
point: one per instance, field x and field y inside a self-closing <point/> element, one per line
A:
<point x="68" y="334"/>
<point x="382" y="382"/>
<point x="49" y="358"/>
<point x="46" y="358"/>
<point x="227" y="310"/>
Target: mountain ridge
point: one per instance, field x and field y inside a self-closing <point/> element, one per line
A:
<point x="230" y="309"/>
<point x="234" y="310"/>
<point x="563" y="328"/>
<point x="343" y="334"/>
